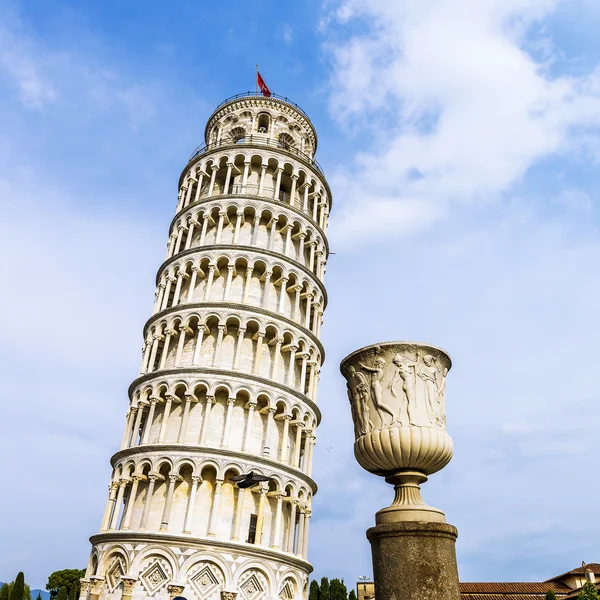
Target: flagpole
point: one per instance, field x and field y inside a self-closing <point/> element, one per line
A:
<point x="256" y="81"/>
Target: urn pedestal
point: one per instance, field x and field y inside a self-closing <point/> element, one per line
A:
<point x="397" y="393"/>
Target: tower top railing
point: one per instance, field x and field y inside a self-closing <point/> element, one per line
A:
<point x="250" y="94"/>
<point x="257" y="140"/>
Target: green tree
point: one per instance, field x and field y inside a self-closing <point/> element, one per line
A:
<point x="4" y="592"/>
<point x="11" y="585"/>
<point x="68" y="578"/>
<point x="324" y="589"/>
<point x="550" y="595"/>
<point x="62" y="594"/>
<point x="352" y="595"/>
<point x="39" y="596"/>
<point x="313" y="593"/>
<point x="588" y="592"/>
<point x="18" y="588"/>
<point x="337" y="590"/>
<point x="73" y="593"/>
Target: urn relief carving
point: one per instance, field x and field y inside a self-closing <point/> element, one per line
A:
<point x="397" y="394"/>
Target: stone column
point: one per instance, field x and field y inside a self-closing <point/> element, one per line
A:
<point x="291" y="376"/>
<point x="115" y="515"/>
<point x="175" y="589"/>
<point x="149" y="493"/>
<point x="209" y="281"/>
<point x="138" y="422"/>
<point x="276" y="357"/>
<point x="164" y="523"/>
<point x="220" y="227"/>
<point x="238" y="224"/>
<point x="228" y="178"/>
<point x="230" y="269"/>
<point x="205" y="219"/>
<point x="184" y="418"/>
<point x="84" y="588"/>
<point x="265" y="302"/>
<point x="292" y="529"/>
<point x="148" y="427"/>
<point x="219" y="343"/>
<point x="201" y="175"/>
<point x="183" y="330"/>
<point x="227" y="428"/>
<point x="238" y="348"/>
<point x="306" y="524"/>
<point x="131" y="500"/>
<point x="300" y="545"/>
<point x="270" y="422"/>
<point x="283" y="295"/>
<point x="245" y="176"/>
<point x="277" y="183"/>
<point x="249" y="272"/>
<point x="189" y="513"/>
<point x="96" y="585"/>
<point x="293" y="190"/>
<point x="414" y="560"/>
<point x="298" y="444"/>
<point x="165" y="420"/>
<point x="165" y="349"/>
<point x="260" y="517"/>
<point x="177" y="293"/>
<point x="110" y="503"/>
<point x="283" y="456"/>
<point x="128" y="585"/>
<point x="128" y="427"/>
<point x="192" y="288"/>
<point x="210" y="400"/>
<point x="257" y="357"/>
<point x="213" y="175"/>
<point x="250" y="419"/>
<point x="277" y="526"/>
<point x="263" y="170"/>
<point x="198" y="347"/>
<point x="215" y="508"/>
<point x="239" y="509"/>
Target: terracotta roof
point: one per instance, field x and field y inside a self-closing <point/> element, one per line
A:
<point x="512" y="587"/>
<point x="593" y="567"/>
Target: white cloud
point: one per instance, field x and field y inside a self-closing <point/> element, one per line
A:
<point x="449" y="104"/>
<point x="18" y="64"/>
<point x="288" y="34"/>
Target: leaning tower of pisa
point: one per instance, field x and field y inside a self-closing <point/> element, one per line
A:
<point x="229" y="376"/>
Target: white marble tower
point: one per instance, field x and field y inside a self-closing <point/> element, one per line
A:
<point x="229" y="376"/>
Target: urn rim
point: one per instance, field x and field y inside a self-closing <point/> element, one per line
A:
<point x="394" y="343"/>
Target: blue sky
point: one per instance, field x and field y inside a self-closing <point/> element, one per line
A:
<point x="461" y="143"/>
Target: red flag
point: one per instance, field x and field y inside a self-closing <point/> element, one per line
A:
<point x="262" y="85"/>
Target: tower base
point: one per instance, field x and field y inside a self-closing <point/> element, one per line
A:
<point x="414" y="560"/>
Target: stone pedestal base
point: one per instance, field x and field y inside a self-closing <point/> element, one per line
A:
<point x="414" y="561"/>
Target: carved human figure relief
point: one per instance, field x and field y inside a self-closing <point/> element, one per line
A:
<point x="405" y="373"/>
<point x="429" y="374"/>
<point x="358" y="394"/>
<point x="377" y="391"/>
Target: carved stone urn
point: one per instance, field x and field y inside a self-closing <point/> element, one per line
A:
<point x="397" y="393"/>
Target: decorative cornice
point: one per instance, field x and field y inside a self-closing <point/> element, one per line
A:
<point x="243" y="248"/>
<point x="169" y="449"/>
<point x="219" y="198"/>
<point x="233" y="306"/>
<point x="229" y="374"/>
<point x="250" y="550"/>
